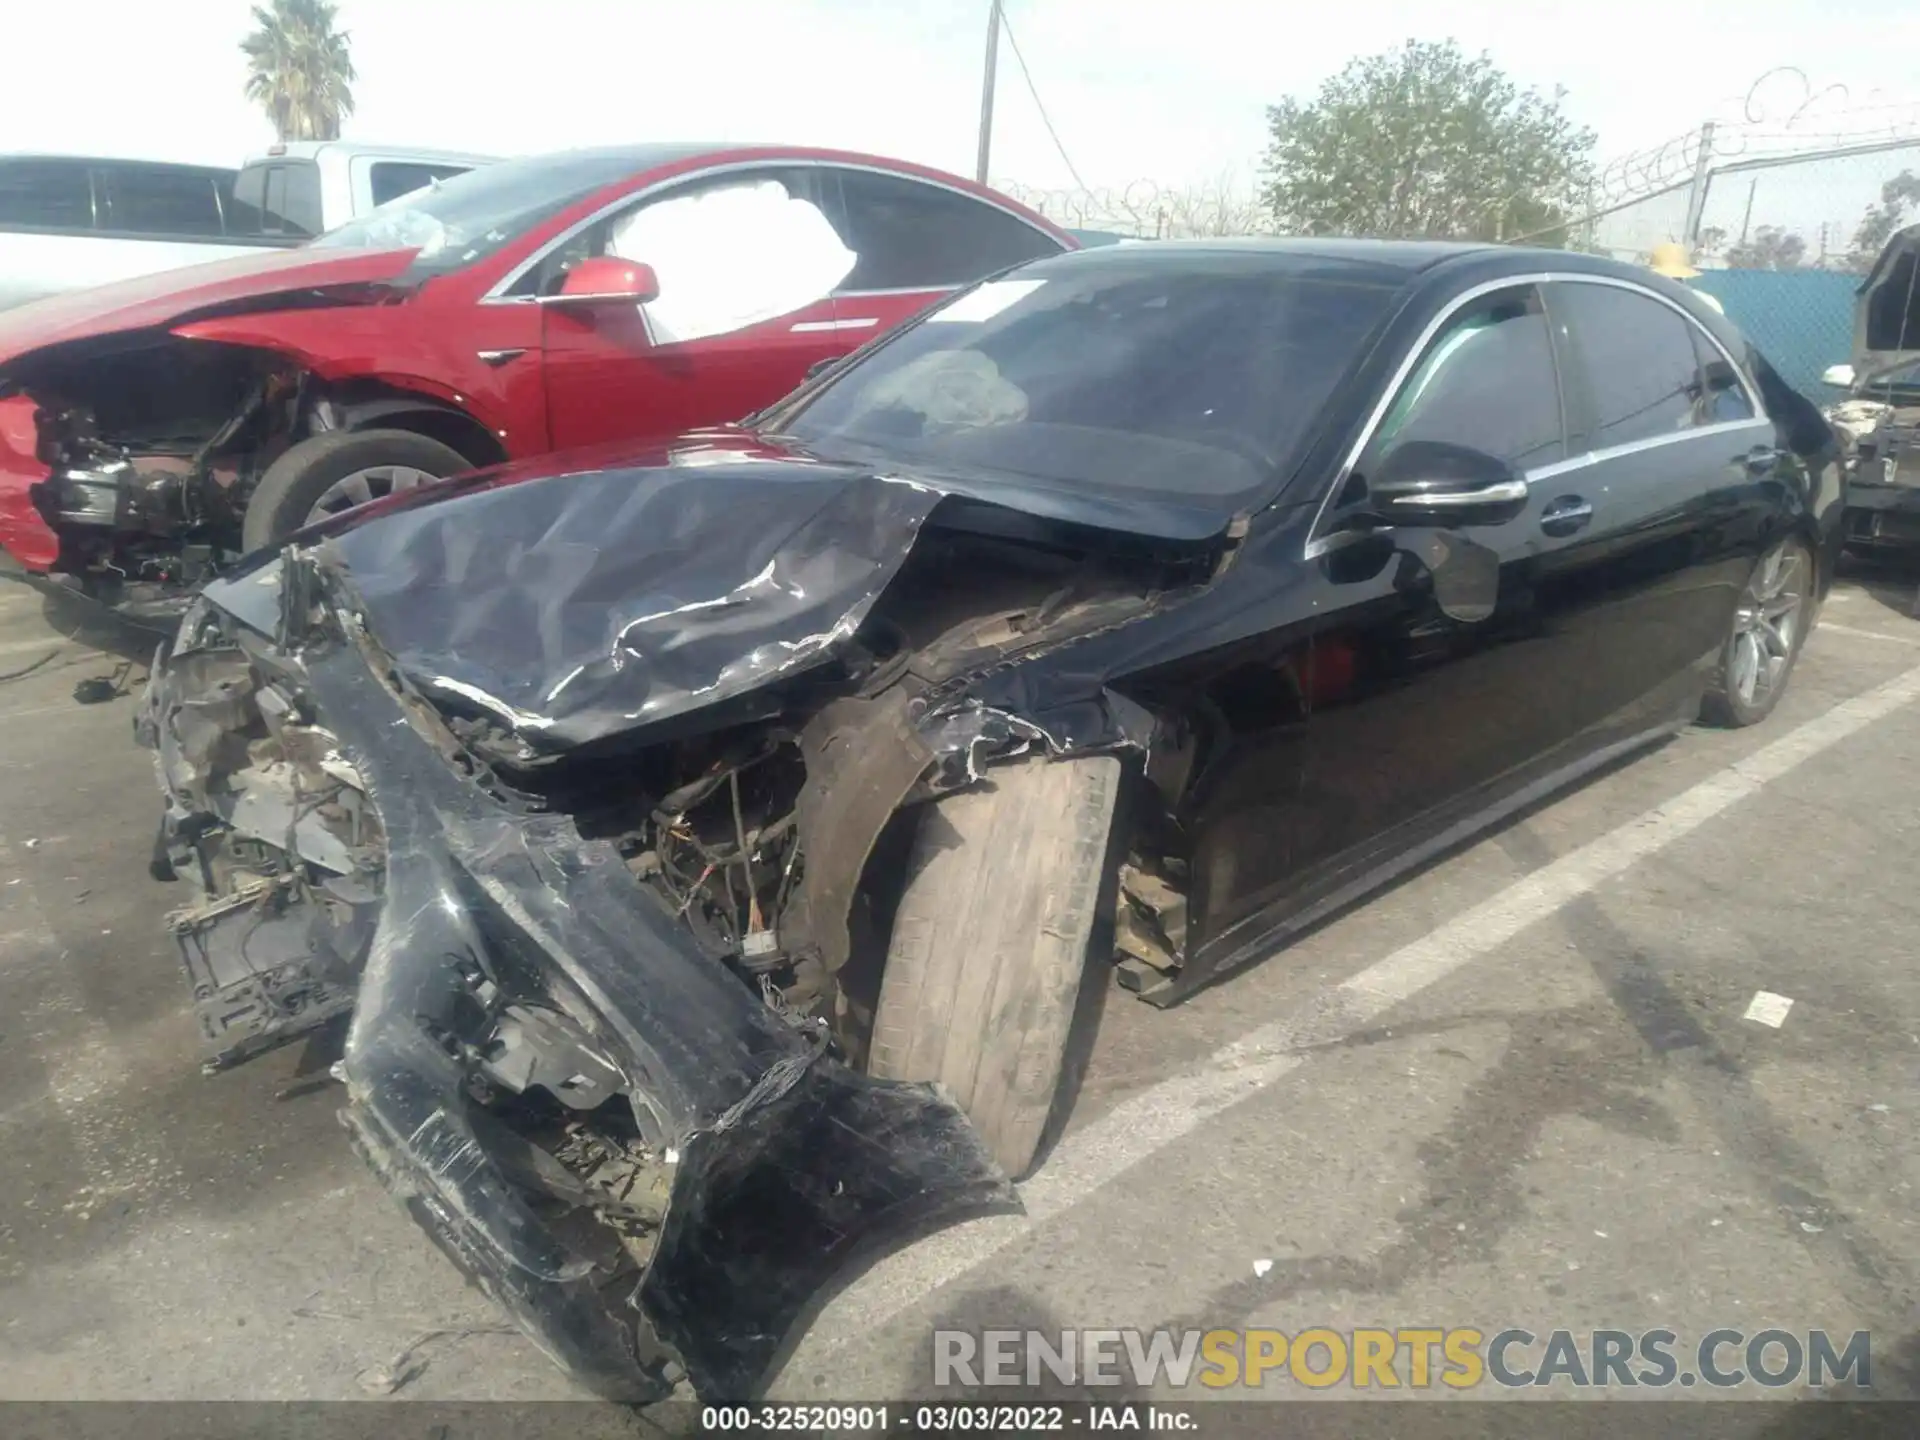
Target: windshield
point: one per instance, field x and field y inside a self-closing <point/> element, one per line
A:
<point x="1168" y="374"/>
<point x="467" y="218"/>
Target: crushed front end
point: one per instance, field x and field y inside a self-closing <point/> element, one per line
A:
<point x="651" y="1160"/>
<point x="124" y="475"/>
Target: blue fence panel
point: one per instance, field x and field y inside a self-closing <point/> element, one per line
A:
<point x="1802" y="320"/>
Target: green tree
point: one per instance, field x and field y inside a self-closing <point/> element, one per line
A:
<point x="1898" y="197"/>
<point x="1770" y="247"/>
<point x="298" y="68"/>
<point x="1426" y="141"/>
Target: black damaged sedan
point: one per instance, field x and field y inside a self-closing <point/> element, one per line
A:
<point x="724" y="847"/>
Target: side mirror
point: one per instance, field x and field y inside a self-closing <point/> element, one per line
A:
<point x="606" y="280"/>
<point x="1840" y="376"/>
<point x="1432" y="483"/>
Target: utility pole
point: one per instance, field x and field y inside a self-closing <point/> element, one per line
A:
<point x="986" y="91"/>
<point x="1697" y="192"/>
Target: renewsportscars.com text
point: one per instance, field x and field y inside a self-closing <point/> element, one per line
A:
<point x="1460" y="1358"/>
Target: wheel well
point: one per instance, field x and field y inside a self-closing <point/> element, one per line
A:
<point x="451" y="427"/>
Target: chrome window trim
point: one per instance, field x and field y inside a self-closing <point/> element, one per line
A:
<point x="497" y="294"/>
<point x="901" y="290"/>
<point x="1320" y="544"/>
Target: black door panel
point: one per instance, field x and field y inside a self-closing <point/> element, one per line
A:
<point x="1438" y="698"/>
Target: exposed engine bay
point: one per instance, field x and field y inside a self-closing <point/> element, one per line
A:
<point x="154" y="452"/>
<point x="273" y="822"/>
<point x="156" y="448"/>
<point x="1880" y="448"/>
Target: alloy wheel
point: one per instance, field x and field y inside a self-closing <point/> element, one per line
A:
<point x="1766" y="628"/>
<point x="373" y="483"/>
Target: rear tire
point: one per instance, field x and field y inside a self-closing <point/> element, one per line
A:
<point x="989" y="951"/>
<point x="1769" y="626"/>
<point x="294" y="484"/>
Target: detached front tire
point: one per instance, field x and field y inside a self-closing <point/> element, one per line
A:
<point x="335" y="471"/>
<point x="1769" y="627"/>
<point x="989" y="953"/>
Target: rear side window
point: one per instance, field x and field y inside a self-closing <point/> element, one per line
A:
<point x="914" y="236"/>
<point x="390" y="179"/>
<point x="1487" y="381"/>
<point x="1719" y="394"/>
<point x="278" y="198"/>
<point x="151" y="200"/>
<point x="46" y="194"/>
<point x="1640" y="377"/>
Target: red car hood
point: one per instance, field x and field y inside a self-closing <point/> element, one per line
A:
<point x="152" y="302"/>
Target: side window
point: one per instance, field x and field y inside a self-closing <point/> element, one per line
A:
<point x="390" y="179"/>
<point x="46" y="194"/>
<point x="625" y="233"/>
<point x="914" y="236"/>
<point x="1486" y="381"/>
<point x="279" y="199"/>
<point x="1718" y="394"/>
<point x="156" y="201"/>
<point x="1638" y="373"/>
<point x="729" y="251"/>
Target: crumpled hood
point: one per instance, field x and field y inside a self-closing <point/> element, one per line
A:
<point x="571" y="607"/>
<point x="153" y="302"/>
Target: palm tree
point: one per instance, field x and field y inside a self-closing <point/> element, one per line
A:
<point x="298" y="68"/>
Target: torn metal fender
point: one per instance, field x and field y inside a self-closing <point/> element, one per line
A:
<point x="788" y="1164"/>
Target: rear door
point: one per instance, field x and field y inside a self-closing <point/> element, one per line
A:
<point x="916" y="242"/>
<point x="1665" y="497"/>
<point x="747" y="263"/>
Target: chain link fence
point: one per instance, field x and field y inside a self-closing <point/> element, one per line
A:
<point x="1781" y="228"/>
<point x="1145" y="210"/>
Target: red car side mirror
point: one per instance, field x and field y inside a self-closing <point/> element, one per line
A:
<point x="607" y="280"/>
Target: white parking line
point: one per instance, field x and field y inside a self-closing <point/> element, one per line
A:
<point x="1147" y="1123"/>
<point x="1828" y="625"/>
<point x="64" y="706"/>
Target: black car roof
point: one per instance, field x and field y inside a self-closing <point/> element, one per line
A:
<point x="1411" y="257"/>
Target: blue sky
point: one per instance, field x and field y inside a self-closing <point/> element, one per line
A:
<point x="1171" y="90"/>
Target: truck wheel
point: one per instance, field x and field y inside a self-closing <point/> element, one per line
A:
<point x="1769" y="626"/>
<point x="326" y="474"/>
<point x="989" y="951"/>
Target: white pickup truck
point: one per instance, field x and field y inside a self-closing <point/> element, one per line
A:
<point x="68" y="221"/>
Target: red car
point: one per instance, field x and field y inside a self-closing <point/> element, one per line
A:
<point x="151" y="431"/>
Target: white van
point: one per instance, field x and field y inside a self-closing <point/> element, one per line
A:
<point x="72" y="221"/>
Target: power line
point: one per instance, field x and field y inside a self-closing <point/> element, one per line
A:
<point x="1027" y="76"/>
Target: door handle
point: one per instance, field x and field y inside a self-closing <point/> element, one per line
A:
<point x="1565" y="516"/>
<point x="1760" y="459"/>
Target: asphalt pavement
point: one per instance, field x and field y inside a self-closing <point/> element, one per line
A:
<point x="1520" y="1089"/>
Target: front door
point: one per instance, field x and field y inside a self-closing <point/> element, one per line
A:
<point x="747" y="265"/>
<point x="1438" y="671"/>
